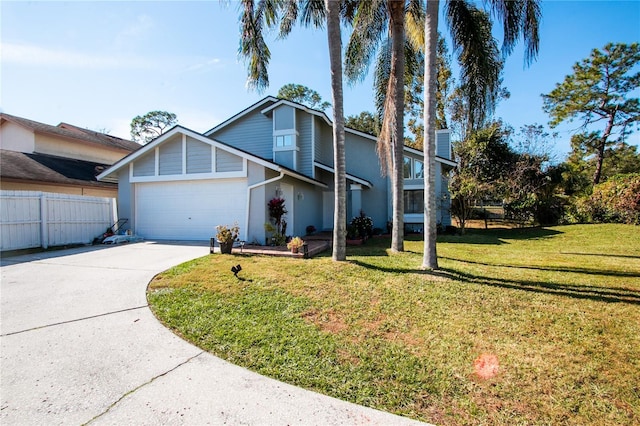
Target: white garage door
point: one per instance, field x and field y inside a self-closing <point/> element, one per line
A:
<point x="189" y="210"/>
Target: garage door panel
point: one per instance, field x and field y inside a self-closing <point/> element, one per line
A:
<point x="188" y="210"/>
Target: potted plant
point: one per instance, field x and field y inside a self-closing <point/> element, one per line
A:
<point x="227" y="236"/>
<point x="295" y="244"/>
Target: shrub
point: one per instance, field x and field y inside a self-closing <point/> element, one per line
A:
<point x="617" y="200"/>
<point x="363" y="225"/>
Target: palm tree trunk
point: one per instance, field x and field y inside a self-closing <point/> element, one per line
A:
<point x="340" y="205"/>
<point x="430" y="258"/>
<point x="397" y="14"/>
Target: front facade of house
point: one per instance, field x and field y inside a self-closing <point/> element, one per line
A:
<point x="183" y="184"/>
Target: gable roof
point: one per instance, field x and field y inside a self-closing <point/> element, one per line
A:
<point x="108" y="174"/>
<point x="69" y="131"/>
<point x="273" y="102"/>
<point x="50" y="169"/>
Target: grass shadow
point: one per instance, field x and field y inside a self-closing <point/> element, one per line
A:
<point x="594" y="293"/>
<point x="574" y="270"/>
<point x="499" y="236"/>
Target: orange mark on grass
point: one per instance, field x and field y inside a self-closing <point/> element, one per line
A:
<point x="486" y="366"/>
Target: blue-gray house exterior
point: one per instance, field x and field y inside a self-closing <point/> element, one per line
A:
<point x="183" y="184"/>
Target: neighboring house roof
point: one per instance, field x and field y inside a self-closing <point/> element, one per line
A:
<point x="73" y="132"/>
<point x="50" y="169"/>
<point x="107" y="175"/>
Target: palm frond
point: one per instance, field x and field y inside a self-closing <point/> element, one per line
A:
<point x="252" y="47"/>
<point x="478" y="57"/>
<point x="519" y="18"/>
<point x="369" y="27"/>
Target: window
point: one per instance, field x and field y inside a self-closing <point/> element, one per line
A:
<point x="407" y="168"/>
<point x="418" y="169"/>
<point x="284" y="141"/>
<point x="414" y="201"/>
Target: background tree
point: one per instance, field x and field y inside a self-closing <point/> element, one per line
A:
<point x="151" y="125"/>
<point x="303" y="95"/>
<point x="479" y="74"/>
<point x="365" y="122"/>
<point x="598" y="94"/>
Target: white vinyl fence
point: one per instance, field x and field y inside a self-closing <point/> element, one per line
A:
<point x="41" y="219"/>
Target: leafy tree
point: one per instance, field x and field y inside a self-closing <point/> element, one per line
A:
<point x="255" y="16"/>
<point x="598" y="94"/>
<point x="147" y="127"/>
<point x="479" y="74"/>
<point x="619" y="158"/>
<point x="365" y="122"/>
<point x="303" y="95"/>
<point x="485" y="160"/>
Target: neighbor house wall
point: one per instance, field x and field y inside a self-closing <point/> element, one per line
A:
<point x="47" y="144"/>
<point x="16" y="138"/>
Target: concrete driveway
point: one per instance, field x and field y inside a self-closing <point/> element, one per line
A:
<point x="79" y="345"/>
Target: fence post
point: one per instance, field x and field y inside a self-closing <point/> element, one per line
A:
<point x="44" y="219"/>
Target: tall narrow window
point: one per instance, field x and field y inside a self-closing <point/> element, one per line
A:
<point x="418" y="169"/>
<point x="407" y="168"/>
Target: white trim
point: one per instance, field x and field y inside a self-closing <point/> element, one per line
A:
<point x="156" y="166"/>
<point x="249" y="188"/>
<point x="350" y="177"/>
<point x="241" y="114"/>
<point x="191" y="176"/>
<point x="184" y="154"/>
<point x="313" y="145"/>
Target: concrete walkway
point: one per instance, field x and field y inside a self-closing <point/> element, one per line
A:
<point x="79" y="345"/>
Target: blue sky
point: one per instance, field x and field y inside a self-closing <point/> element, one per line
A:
<point x="99" y="64"/>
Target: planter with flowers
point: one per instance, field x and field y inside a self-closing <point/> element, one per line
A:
<point x="226" y="236"/>
<point x="295" y="244"/>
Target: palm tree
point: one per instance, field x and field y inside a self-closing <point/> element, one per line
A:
<point x="370" y="23"/>
<point x="340" y="182"/>
<point x="255" y="50"/>
<point x="520" y="18"/>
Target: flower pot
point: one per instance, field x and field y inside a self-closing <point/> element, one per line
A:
<point x="294" y="249"/>
<point x="225" y="247"/>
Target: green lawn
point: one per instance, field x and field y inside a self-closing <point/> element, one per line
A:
<point x="558" y="308"/>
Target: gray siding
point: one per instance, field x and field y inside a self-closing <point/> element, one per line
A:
<point x="145" y="166"/>
<point x="198" y="156"/>
<point x="443" y="144"/>
<point x="305" y="144"/>
<point x="227" y="162"/>
<point x="284" y="158"/>
<point x="324" y="143"/>
<point x="125" y="198"/>
<point x="170" y="162"/>
<point x="252" y="133"/>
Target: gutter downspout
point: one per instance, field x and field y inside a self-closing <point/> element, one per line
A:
<point x="249" y="188"/>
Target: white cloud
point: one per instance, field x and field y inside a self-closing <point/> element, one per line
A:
<point x="25" y="54"/>
<point x="139" y="29"/>
<point x="204" y="65"/>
